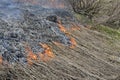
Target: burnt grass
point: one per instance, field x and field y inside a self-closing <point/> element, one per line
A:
<point x="92" y="59"/>
<point x="33" y="28"/>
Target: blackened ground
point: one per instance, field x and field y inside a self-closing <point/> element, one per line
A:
<point x="35" y="25"/>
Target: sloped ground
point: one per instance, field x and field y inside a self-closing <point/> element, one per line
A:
<point x="93" y="58"/>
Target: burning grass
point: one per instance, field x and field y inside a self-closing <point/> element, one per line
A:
<point x="37" y="27"/>
<point x="73" y="43"/>
<point x="47" y="53"/>
<point x="45" y="56"/>
<point x="64" y="30"/>
<point x="30" y="55"/>
<point x="1" y="60"/>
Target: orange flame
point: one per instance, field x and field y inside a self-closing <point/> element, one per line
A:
<point x="47" y="54"/>
<point x="1" y="60"/>
<point x="73" y="43"/>
<point x="31" y="56"/>
<point x="61" y="27"/>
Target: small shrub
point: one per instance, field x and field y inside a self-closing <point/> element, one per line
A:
<point x="86" y="7"/>
<point x="105" y="12"/>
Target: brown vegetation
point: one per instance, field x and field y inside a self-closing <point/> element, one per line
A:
<point x="100" y="11"/>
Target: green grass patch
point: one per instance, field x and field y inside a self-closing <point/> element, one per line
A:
<point x="114" y="33"/>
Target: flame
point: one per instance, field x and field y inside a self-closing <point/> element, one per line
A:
<point x="47" y="54"/>
<point x="31" y="56"/>
<point x="73" y="43"/>
<point x="44" y="57"/>
<point x="72" y="40"/>
<point x="1" y="60"/>
<point x="61" y="27"/>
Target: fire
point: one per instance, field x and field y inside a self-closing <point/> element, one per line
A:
<point x="1" y="60"/>
<point x="47" y="54"/>
<point x="72" y="40"/>
<point x="31" y="56"/>
<point x="61" y="27"/>
<point x="73" y="43"/>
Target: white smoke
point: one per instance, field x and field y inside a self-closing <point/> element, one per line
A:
<point x="46" y="3"/>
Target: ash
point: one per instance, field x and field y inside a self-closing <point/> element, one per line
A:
<point x="29" y="24"/>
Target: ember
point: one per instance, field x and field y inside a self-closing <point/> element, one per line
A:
<point x="1" y="60"/>
<point x="72" y="40"/>
<point x="73" y="43"/>
<point x="30" y="55"/>
<point x="47" y="54"/>
<point x="62" y="28"/>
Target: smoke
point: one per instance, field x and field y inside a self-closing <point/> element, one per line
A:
<point x="46" y="3"/>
